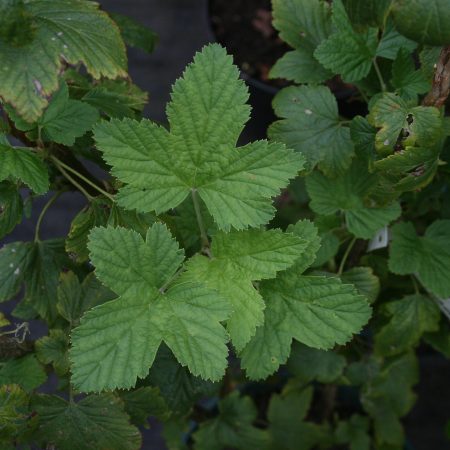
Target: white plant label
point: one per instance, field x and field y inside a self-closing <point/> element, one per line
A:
<point x="380" y="240"/>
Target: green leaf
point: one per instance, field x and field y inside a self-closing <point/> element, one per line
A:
<point x="440" y="340"/>
<point x="24" y="165"/>
<point x="364" y="280"/>
<point x="411" y="316"/>
<point x="179" y="388"/>
<point x="388" y="396"/>
<point x="408" y="81"/>
<point x="299" y="66"/>
<point x="370" y="12"/>
<point x="347" y="52"/>
<point x="239" y="258"/>
<point x="348" y="193"/>
<point x="46" y="260"/>
<point x="130" y="329"/>
<point x="423" y="22"/>
<point x="317" y="311"/>
<point x="311" y="126"/>
<point x="303" y="24"/>
<point x="392" y="42"/>
<point x="308" y="232"/>
<point x="117" y="98"/>
<point x="363" y="137"/>
<point x="135" y="34"/>
<point x="428" y="256"/>
<point x="65" y="119"/>
<point x="314" y="364"/>
<point x="95" y="214"/>
<point x="144" y="402"/>
<point x="206" y="115"/>
<point x="75" y="298"/>
<point x="355" y="432"/>
<point x="95" y="422"/>
<point x="232" y="428"/>
<point x="287" y="429"/>
<point x="419" y="125"/>
<point x="14" y="412"/>
<point x="53" y="349"/>
<point x="51" y="33"/>
<point x="11" y="208"/>
<point x="25" y="371"/>
<point x="329" y="246"/>
<point x="14" y="260"/>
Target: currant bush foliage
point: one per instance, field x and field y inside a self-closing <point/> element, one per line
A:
<point x="315" y="260"/>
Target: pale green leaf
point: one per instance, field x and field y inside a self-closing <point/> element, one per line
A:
<point x="423" y="21"/>
<point x="24" y="165"/>
<point x="311" y="126"/>
<point x="25" y="371"/>
<point x="317" y="311"/>
<point x="130" y="329"/>
<point x="207" y="112"/>
<point x="241" y="257"/>
<point x="428" y="256"/>
<point x="410" y="317"/>
<point x="233" y="428"/>
<point x="120" y="256"/>
<point x="95" y="422"/>
<point x="53" y="33"/>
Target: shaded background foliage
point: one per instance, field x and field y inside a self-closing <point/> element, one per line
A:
<point x="183" y="28"/>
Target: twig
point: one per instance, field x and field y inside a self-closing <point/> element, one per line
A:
<point x="441" y="81"/>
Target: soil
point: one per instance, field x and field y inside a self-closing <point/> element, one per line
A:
<point x="245" y="28"/>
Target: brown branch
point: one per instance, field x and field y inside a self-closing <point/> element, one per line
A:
<point x="441" y="82"/>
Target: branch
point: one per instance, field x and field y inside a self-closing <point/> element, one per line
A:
<point x="441" y="82"/>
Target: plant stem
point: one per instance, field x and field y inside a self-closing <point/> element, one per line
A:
<point x="201" y="226"/>
<point x="42" y="214"/>
<point x="74" y="182"/>
<point x="345" y="256"/>
<point x="82" y="177"/>
<point x="379" y="75"/>
<point x="416" y="286"/>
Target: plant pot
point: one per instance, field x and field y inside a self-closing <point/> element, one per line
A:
<point x="245" y="29"/>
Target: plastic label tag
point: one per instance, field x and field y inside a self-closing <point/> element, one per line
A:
<point x="444" y="304"/>
<point x="380" y="240"/>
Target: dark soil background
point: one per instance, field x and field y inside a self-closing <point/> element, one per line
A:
<point x="184" y="27"/>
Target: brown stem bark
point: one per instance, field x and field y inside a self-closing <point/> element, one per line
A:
<point x="441" y="82"/>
